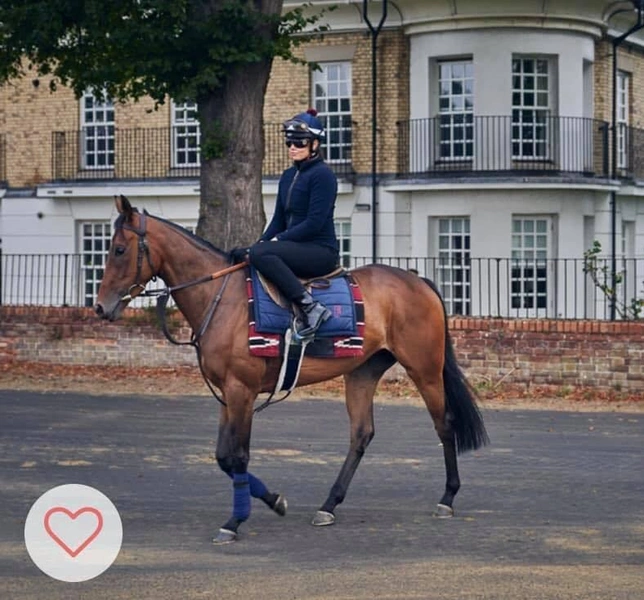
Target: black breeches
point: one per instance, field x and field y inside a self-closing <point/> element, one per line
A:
<point x="283" y="262"/>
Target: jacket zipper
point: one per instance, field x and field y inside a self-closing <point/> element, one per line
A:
<point x="288" y="197"/>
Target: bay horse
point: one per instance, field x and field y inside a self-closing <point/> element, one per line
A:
<point x="405" y="322"/>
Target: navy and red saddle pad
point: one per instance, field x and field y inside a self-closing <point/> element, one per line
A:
<point x="340" y="337"/>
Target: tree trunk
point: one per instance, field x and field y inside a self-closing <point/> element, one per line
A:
<point x="231" y="211"/>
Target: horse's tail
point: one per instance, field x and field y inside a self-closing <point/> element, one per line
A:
<point x="460" y="397"/>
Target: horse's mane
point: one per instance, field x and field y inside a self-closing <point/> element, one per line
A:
<point x="182" y="230"/>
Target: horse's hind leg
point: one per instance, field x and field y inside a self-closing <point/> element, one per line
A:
<point x="360" y="386"/>
<point x="433" y="394"/>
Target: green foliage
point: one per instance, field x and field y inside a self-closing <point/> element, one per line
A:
<point x="132" y="48"/>
<point x="601" y="276"/>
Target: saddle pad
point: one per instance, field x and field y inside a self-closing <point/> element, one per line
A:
<point x="272" y="318"/>
<point x="343" y="345"/>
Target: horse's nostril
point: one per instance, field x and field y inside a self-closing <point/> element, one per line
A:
<point x="98" y="309"/>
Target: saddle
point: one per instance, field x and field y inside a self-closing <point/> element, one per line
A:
<point x="321" y="282"/>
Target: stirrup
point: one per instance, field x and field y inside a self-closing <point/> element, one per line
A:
<point x="308" y="332"/>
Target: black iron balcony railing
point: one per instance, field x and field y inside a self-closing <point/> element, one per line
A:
<point x="486" y="287"/>
<point x="3" y="158"/>
<point x="527" y="141"/>
<point x="102" y="152"/>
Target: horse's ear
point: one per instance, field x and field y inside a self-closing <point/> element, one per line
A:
<point x="124" y="207"/>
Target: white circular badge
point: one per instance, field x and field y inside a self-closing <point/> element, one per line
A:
<point x="73" y="532"/>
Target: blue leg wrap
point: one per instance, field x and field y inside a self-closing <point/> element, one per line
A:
<point x="241" y="496"/>
<point x="257" y="487"/>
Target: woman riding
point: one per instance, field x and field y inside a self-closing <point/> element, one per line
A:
<point x="300" y="240"/>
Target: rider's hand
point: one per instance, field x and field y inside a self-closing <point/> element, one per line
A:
<point x="239" y="254"/>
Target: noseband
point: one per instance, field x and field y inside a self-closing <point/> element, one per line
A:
<point x="143" y="250"/>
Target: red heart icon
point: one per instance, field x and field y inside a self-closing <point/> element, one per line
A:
<point x="74" y="552"/>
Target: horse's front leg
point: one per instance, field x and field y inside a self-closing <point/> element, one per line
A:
<point x="233" y="455"/>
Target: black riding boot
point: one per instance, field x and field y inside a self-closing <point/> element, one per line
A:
<point x="314" y="314"/>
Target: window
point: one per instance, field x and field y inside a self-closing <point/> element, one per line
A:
<point x="530" y="108"/>
<point x="627" y="288"/>
<point x="623" y="118"/>
<point x="456" y="108"/>
<point x="94" y="243"/>
<point x="529" y="265"/>
<point x="343" y="233"/>
<point x="454" y="267"/>
<point x="332" y="100"/>
<point x="185" y="135"/>
<point x="97" y="132"/>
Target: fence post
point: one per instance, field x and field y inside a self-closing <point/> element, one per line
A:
<point x="65" y="281"/>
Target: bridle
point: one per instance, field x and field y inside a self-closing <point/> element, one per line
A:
<point x="143" y="250"/>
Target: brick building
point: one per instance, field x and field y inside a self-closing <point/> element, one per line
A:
<point x="493" y="152"/>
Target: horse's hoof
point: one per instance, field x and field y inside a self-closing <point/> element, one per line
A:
<point x="225" y="536"/>
<point x="323" y="518"/>
<point x="443" y="511"/>
<point x="281" y="505"/>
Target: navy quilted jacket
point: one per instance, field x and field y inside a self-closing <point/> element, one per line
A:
<point x="305" y="204"/>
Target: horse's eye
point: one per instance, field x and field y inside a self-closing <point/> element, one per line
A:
<point x="119" y="251"/>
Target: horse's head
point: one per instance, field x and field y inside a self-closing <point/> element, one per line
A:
<point x="129" y="263"/>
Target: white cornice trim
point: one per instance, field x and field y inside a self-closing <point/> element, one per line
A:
<point x="189" y="188"/>
<point x="633" y="40"/>
<point x="114" y="188"/>
<point x="631" y="190"/>
<point x="499" y="185"/>
<point x="588" y="26"/>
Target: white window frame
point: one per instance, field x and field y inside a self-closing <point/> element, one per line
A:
<point x="343" y="233"/>
<point x="623" y="117"/>
<point x="186" y="135"/>
<point x="97" y="132"/>
<point x="332" y="97"/>
<point x="454" y="267"/>
<point x="455" y="119"/>
<point x="94" y="244"/>
<point x="531" y="272"/>
<point x="627" y="289"/>
<point x="532" y="106"/>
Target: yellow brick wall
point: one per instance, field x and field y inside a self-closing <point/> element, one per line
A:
<point x="630" y="60"/>
<point x="289" y="92"/>
<point x="30" y="113"/>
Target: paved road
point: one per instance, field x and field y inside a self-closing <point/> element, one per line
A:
<point x="554" y="508"/>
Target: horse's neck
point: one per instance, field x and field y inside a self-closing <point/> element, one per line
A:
<point x="184" y="261"/>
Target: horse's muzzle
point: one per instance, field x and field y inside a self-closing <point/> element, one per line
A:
<point x="103" y="314"/>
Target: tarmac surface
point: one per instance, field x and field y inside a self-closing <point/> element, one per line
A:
<point x="553" y="508"/>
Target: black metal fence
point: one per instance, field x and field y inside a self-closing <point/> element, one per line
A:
<point x="524" y="142"/>
<point x="486" y="287"/>
<point x="106" y="152"/>
<point x="560" y="288"/>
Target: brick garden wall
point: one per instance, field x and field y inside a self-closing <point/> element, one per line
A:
<point x="530" y="352"/>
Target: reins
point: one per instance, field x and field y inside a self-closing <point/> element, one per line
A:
<point x="162" y="300"/>
<point x="163" y="295"/>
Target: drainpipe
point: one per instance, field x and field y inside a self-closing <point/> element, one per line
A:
<point x="375" y="31"/>
<point x="639" y="6"/>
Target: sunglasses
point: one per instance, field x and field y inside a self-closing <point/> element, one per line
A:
<point x="297" y="143"/>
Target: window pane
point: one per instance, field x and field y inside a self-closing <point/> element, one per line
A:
<point x="333" y="83"/>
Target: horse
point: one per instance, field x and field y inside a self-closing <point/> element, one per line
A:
<point x="405" y="321"/>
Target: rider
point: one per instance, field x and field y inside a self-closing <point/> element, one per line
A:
<point x="300" y="240"/>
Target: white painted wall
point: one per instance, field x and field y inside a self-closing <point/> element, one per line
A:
<point x="491" y="51"/>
